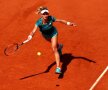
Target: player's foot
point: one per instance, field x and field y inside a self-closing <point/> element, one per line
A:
<point x="60" y="49"/>
<point x="58" y="70"/>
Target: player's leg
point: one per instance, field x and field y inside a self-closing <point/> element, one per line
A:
<point x="54" y="42"/>
<point x="60" y="46"/>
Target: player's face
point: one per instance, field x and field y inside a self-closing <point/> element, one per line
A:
<point x="45" y="15"/>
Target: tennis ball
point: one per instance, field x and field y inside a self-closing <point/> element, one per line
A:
<point x="39" y="53"/>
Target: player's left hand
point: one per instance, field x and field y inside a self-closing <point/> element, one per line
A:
<point x="73" y="24"/>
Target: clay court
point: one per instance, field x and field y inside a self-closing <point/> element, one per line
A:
<point x="85" y="51"/>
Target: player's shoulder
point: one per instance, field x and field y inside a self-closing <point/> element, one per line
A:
<point x="52" y="18"/>
<point x="39" y="21"/>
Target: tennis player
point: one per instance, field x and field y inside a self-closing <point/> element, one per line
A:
<point x="49" y="32"/>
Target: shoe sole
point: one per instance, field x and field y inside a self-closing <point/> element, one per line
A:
<point x="58" y="72"/>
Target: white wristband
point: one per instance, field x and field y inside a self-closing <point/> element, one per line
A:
<point x="68" y="23"/>
<point x="29" y="37"/>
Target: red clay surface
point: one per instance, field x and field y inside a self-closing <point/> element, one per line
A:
<point x="88" y="42"/>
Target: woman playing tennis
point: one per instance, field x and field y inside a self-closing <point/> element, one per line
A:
<point x="48" y="31"/>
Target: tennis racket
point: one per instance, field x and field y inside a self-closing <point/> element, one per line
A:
<point x="12" y="48"/>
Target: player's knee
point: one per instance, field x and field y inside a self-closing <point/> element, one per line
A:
<point x="54" y="48"/>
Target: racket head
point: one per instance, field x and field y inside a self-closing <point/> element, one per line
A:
<point x="11" y="49"/>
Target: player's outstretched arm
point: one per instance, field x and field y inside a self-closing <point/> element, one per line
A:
<point x="66" y="22"/>
<point x="32" y="33"/>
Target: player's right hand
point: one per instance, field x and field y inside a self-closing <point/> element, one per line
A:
<point x="29" y="37"/>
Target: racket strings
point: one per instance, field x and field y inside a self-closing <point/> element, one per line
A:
<point x="11" y="49"/>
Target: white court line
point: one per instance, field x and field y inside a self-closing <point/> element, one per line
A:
<point x="98" y="79"/>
